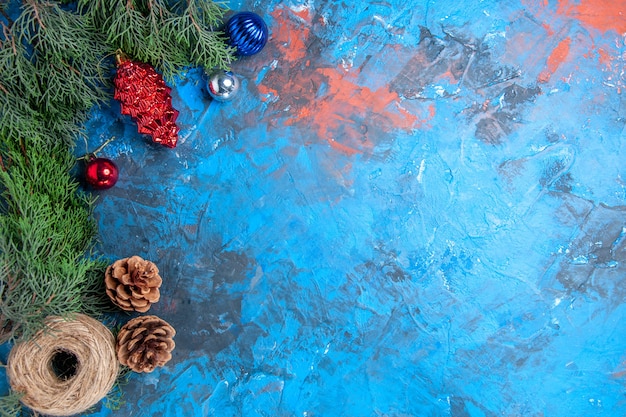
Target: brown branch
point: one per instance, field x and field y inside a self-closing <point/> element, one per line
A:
<point x="36" y="9"/>
<point x="74" y="70"/>
<point x="151" y="13"/>
<point x="23" y="149"/>
<point x="7" y="328"/>
<point x="6" y="16"/>
<point x="194" y="20"/>
<point x="6" y="31"/>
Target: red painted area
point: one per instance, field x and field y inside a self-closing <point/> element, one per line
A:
<point x="595" y="16"/>
<point x="350" y="110"/>
<point x="605" y="57"/>
<point x="267" y="91"/>
<point x="614" y="68"/>
<point x="603" y="15"/>
<point x="304" y="14"/>
<point x="329" y="100"/>
<point x="556" y="58"/>
<point x="548" y="29"/>
<point x="621" y="371"/>
<point x="289" y="36"/>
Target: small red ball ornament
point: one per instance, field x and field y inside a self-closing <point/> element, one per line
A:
<point x="101" y="173"/>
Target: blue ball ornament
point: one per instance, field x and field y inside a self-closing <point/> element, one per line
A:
<point x="247" y="32"/>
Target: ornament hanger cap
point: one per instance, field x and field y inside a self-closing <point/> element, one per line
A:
<point x="121" y="57"/>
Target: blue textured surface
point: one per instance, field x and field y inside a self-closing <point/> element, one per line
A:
<point x="410" y="209"/>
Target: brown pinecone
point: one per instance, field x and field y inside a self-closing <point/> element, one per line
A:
<point x="133" y="283"/>
<point x="144" y="343"/>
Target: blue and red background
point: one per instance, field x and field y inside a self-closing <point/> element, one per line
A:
<point x="411" y="208"/>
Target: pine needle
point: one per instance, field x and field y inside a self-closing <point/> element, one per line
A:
<point x="46" y="230"/>
<point x="10" y="405"/>
<point x="163" y="33"/>
<point x="55" y="66"/>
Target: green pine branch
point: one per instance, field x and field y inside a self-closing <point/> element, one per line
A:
<point x="56" y="64"/>
<point x="51" y="73"/>
<point x="205" y="47"/>
<point x="58" y="59"/>
<point x="46" y="231"/>
<point x="169" y="35"/>
<point x="10" y="405"/>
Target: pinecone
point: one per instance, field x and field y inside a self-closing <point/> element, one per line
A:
<point x="133" y="283"/>
<point x="144" y="343"/>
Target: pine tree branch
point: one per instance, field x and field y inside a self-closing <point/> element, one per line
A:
<point x="150" y="31"/>
<point x="46" y="231"/>
<point x="5" y="15"/>
<point x="55" y="66"/>
<point x="10" y="405"/>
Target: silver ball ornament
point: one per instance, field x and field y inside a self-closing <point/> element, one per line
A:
<point x="222" y="85"/>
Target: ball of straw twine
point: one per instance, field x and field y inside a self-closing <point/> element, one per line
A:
<point x="84" y="342"/>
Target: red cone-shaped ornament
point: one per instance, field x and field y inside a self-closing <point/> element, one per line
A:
<point x="145" y="97"/>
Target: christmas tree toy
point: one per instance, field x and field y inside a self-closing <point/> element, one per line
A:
<point x="222" y="85"/>
<point x="55" y="67"/>
<point x="101" y="173"/>
<point x="145" y="97"/>
<point x="247" y="32"/>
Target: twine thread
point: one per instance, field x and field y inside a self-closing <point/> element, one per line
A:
<point x="31" y="371"/>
